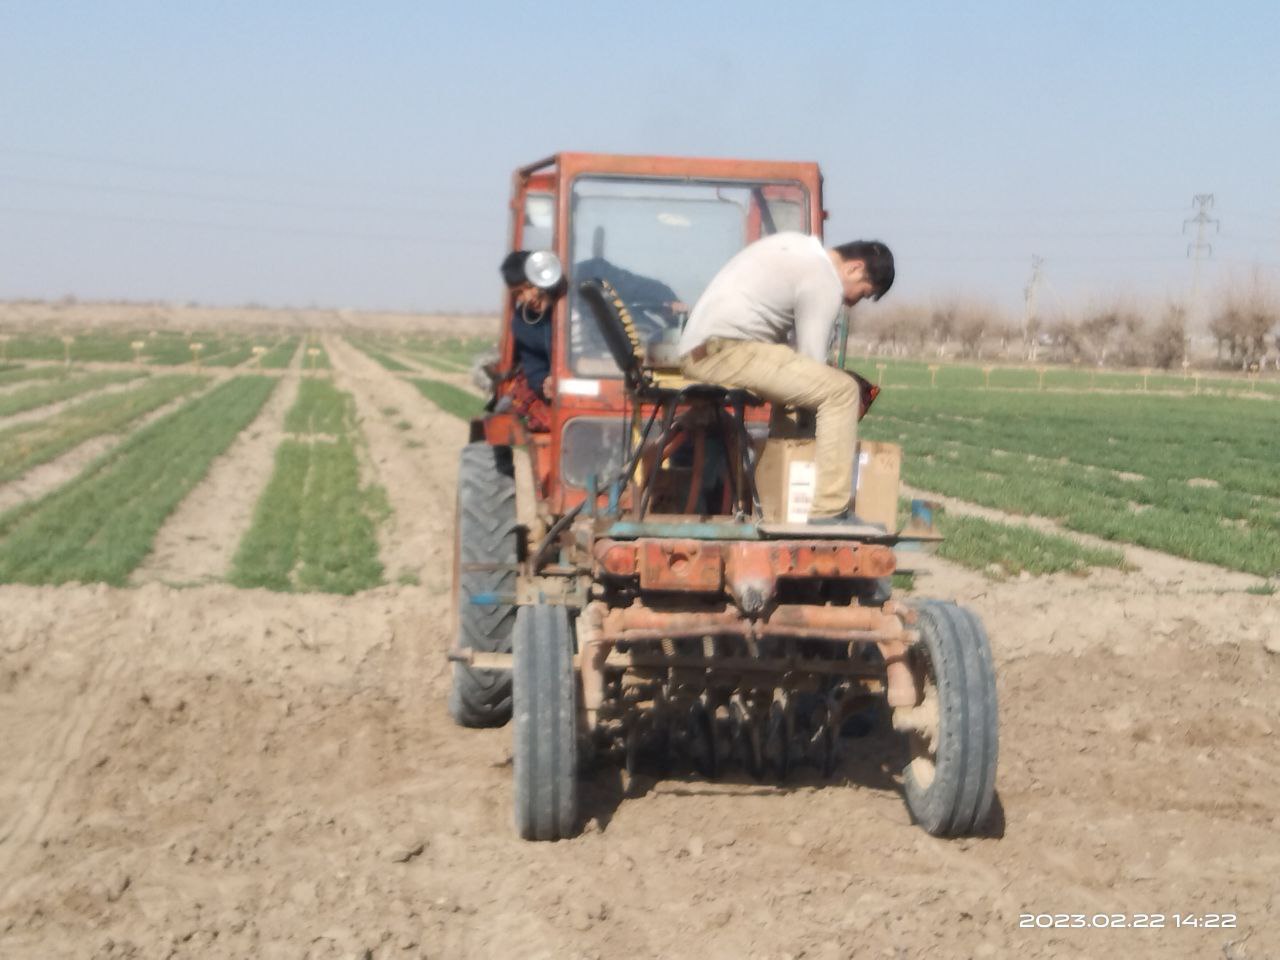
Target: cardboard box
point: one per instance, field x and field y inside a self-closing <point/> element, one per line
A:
<point x="785" y="480"/>
<point x="876" y="481"/>
<point x="786" y="476"/>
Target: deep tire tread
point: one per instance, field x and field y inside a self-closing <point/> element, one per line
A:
<point x="546" y="711"/>
<point x="487" y="533"/>
<point x="959" y="799"/>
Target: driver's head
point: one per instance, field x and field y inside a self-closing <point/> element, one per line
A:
<point x="534" y="299"/>
<point x="865" y="268"/>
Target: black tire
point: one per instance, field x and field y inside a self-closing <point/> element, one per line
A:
<point x="485" y="537"/>
<point x="546" y="727"/>
<point x="950" y="793"/>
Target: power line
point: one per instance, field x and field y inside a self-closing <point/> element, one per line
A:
<point x="223" y="198"/>
<point x="251" y="228"/>
<point x="198" y="171"/>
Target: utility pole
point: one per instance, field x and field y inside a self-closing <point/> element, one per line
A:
<point x="1203" y="202"/>
<point x="1030" y="326"/>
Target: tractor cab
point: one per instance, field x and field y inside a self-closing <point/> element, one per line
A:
<point x="655" y="230"/>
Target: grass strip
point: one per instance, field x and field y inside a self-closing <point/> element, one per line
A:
<point x="28" y="445"/>
<point x="281" y="355"/>
<point x="16" y="374"/>
<point x="1197" y="477"/>
<point x="314" y="527"/>
<point x="320" y="408"/>
<point x="44" y="394"/>
<point x="233" y="357"/>
<point x="100" y="526"/>
<point x="318" y="360"/>
<point x="387" y="362"/>
<point x="451" y="399"/>
<point x="268" y="551"/>
<point x="338" y="546"/>
<point x="1006" y="549"/>
<point x="439" y="364"/>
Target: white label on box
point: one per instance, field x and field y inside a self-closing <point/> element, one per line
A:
<point x="801" y="481"/>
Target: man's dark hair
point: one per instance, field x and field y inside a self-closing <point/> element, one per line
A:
<point x="879" y="261"/>
<point x="512" y="268"/>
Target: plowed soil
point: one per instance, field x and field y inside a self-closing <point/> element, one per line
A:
<point x="208" y="772"/>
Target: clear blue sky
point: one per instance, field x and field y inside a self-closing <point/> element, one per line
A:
<point x="344" y="155"/>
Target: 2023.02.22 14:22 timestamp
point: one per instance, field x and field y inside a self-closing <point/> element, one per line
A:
<point x="1128" y="921"/>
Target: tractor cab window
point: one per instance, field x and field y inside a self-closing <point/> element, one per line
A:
<point x="539" y="221"/>
<point x="659" y="243"/>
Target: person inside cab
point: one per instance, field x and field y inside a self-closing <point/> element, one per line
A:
<point x="532" y="306"/>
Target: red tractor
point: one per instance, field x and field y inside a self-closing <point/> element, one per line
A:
<point x="634" y="577"/>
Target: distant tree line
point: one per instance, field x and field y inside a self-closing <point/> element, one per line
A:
<point x="1246" y="330"/>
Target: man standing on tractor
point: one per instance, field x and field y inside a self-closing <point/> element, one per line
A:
<point x="787" y="287"/>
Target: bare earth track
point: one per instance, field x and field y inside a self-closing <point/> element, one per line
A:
<point x="210" y="773"/>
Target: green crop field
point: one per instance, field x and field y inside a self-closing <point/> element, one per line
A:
<point x="377" y="351"/>
<point x="30" y="444"/>
<point x="100" y="526"/>
<point x="320" y="408"/>
<point x="280" y="356"/>
<point x="319" y="360"/>
<point x="315" y="526"/>
<point x="451" y="399"/>
<point x="917" y="373"/>
<point x="236" y="355"/>
<point x="18" y="374"/>
<point x="63" y="388"/>
<point x="1195" y="476"/>
<point x="1009" y="549"/>
<point x="444" y="355"/>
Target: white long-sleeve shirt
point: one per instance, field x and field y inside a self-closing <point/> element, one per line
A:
<point x="783" y="282"/>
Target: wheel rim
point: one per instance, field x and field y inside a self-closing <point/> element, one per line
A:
<point x="920" y="723"/>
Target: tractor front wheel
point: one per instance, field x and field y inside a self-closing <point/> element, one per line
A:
<point x="546" y="727"/>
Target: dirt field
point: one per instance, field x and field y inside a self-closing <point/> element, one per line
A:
<point x="209" y="772"/>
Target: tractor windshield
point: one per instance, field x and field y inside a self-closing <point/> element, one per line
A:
<point x="659" y="242"/>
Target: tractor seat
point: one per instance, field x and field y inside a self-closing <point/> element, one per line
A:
<point x="647" y="381"/>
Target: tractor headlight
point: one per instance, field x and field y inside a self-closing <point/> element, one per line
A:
<point x="543" y="270"/>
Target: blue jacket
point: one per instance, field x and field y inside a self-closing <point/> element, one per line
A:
<point x="533" y="346"/>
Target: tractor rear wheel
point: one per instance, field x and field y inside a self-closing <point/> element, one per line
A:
<point x="950" y="779"/>
<point x="546" y="727"/>
<point x="485" y="551"/>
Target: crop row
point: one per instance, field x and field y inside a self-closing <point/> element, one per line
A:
<point x="14" y="373"/>
<point x="281" y="355"/>
<point x="315" y="525"/>
<point x="914" y="373"/>
<point x="163" y="348"/>
<point x="982" y="544"/>
<point x="100" y="526"/>
<point x="1197" y="482"/>
<point x="1227" y="440"/>
<point x="63" y="388"/>
<point x="451" y="399"/>
<point x="28" y="445"/>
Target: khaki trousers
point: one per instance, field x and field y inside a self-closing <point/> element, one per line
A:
<point x="775" y="372"/>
